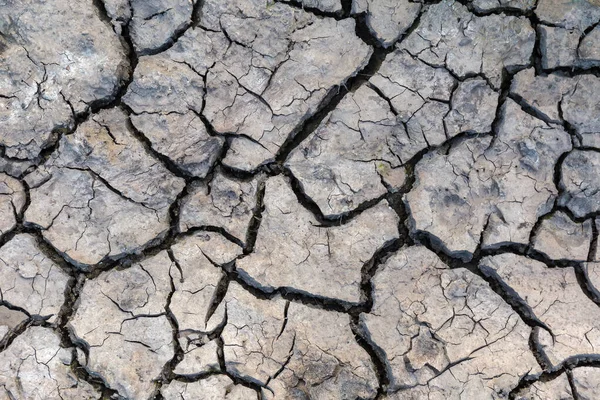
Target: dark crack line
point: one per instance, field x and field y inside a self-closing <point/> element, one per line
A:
<point x="167" y="373"/>
<point x="570" y="363"/>
<point x="77" y="278"/>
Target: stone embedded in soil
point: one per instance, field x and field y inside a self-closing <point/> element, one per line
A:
<point x="51" y="70"/>
<point x="293" y="251"/>
<point x="101" y="195"/>
<point x="29" y="279"/>
<point x="444" y="333"/>
<point x="36" y="366"/>
<point x="293" y="349"/>
<point x="121" y="319"/>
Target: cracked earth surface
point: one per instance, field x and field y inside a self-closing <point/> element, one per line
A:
<point x="300" y="199"/>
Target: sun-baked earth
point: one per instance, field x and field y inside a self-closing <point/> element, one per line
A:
<point x="299" y="199"/>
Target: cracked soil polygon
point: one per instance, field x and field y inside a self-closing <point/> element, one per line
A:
<point x="299" y="199"/>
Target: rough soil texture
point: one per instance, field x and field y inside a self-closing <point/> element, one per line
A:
<point x="299" y="199"/>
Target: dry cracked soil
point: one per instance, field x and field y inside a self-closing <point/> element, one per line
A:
<point x="299" y="199"/>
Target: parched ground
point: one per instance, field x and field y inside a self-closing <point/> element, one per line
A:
<point x="299" y="199"/>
